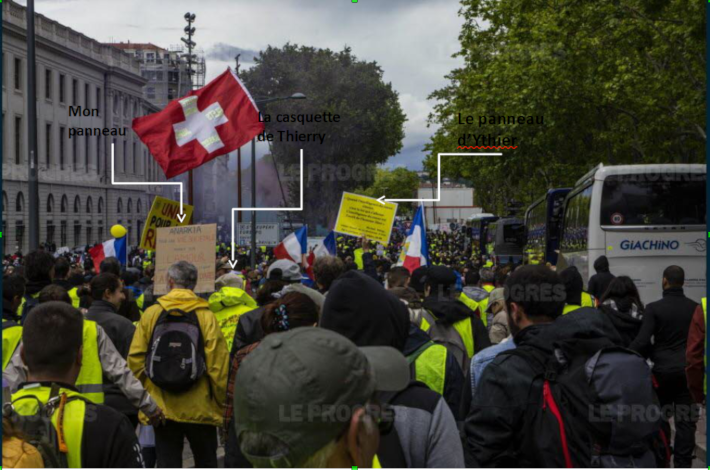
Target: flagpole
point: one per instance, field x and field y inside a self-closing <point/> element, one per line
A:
<point x="253" y="203"/>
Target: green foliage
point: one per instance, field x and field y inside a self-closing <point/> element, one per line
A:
<point x="399" y="183"/>
<point x="370" y="130"/>
<point x="617" y="81"/>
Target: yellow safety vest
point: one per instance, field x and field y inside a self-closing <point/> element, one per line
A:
<point x="705" y="357"/>
<point x="90" y="380"/>
<point x="11" y="337"/>
<point x="588" y="300"/>
<point x="358" y="259"/>
<point x="466" y="332"/>
<point x="72" y="426"/>
<point x="430" y="367"/>
<point x="473" y="305"/>
<point x="75" y="300"/>
<point x="139" y="302"/>
<point x="570" y="308"/>
<point x="376" y="462"/>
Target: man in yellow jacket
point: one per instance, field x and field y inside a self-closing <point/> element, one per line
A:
<point x="195" y="413"/>
<point x="229" y="303"/>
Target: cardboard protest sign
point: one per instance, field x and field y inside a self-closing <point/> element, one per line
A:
<point x="163" y="213"/>
<point x="192" y="243"/>
<point x="362" y="215"/>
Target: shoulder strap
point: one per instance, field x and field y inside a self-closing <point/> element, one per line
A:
<point x="415" y="355"/>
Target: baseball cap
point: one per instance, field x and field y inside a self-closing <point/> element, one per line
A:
<point x="497" y="295"/>
<point x="223" y="265"/>
<point x="289" y="271"/>
<point x="302" y="386"/>
<point x="229" y="280"/>
<point x="441" y="276"/>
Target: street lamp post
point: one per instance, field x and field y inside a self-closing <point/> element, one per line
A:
<point x="32" y="177"/>
<point x="295" y="96"/>
<point x="190" y="31"/>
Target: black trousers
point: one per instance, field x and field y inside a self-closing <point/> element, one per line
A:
<point x="169" y="440"/>
<point x="676" y="401"/>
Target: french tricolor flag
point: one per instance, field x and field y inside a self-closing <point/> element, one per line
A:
<point x="415" y="252"/>
<point x="294" y="246"/>
<point x="326" y="248"/>
<point x="115" y="247"/>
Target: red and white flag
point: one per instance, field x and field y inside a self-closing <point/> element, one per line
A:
<point x="212" y="121"/>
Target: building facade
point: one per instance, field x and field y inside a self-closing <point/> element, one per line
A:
<point x="78" y="203"/>
<point x="456" y="204"/>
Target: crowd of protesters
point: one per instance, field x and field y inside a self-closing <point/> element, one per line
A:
<point x="357" y="361"/>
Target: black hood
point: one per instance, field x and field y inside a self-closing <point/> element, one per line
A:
<point x="7" y="312"/>
<point x="63" y="283"/>
<point x="33" y="287"/>
<point x="622" y="320"/>
<point x="359" y="308"/>
<point x="584" y="325"/>
<point x="417" y="338"/>
<point x="601" y="264"/>
<point x="447" y="310"/>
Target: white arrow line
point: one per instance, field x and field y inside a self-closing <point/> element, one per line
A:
<point x="181" y="216"/>
<point x="233" y="262"/>
<point x="382" y="198"/>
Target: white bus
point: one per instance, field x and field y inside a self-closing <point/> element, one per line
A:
<point x="643" y="218"/>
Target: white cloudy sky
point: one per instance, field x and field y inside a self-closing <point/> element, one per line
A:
<point x="412" y="40"/>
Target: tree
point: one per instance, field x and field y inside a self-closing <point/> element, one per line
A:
<point x="399" y="183"/>
<point x="370" y="130"/>
<point x="617" y="82"/>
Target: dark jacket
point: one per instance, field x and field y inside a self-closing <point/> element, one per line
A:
<point x="7" y="313"/>
<point x="495" y="431"/>
<point x="120" y="332"/>
<point x="668" y="322"/>
<point x="626" y="325"/>
<point x="454" y="379"/>
<point x="249" y="330"/>
<point x="599" y="283"/>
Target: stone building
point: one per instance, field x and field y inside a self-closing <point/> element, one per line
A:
<point x="78" y="203"/>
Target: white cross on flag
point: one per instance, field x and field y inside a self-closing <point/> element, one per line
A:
<point x="212" y="121"/>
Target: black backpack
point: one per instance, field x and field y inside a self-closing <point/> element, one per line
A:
<point x="597" y="407"/>
<point x="176" y="359"/>
<point x="37" y="430"/>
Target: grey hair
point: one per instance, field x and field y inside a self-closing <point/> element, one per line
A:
<point x="183" y="274"/>
<point x="487" y="275"/>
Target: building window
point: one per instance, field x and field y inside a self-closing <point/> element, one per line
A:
<point x="101" y="205"/>
<point x="87" y="145"/>
<point x="75" y="92"/>
<point x="75" y="154"/>
<point x="129" y="208"/>
<point x="150" y="92"/>
<point x="19" y="233"/>
<point x="18" y="74"/>
<point x="77" y="204"/>
<point x="87" y="96"/>
<point x="135" y="159"/>
<point x="20" y="203"/>
<point x="50" y="232"/>
<point x="18" y="139"/>
<point x="98" y="154"/>
<point x="61" y="147"/>
<point x="63" y="233"/>
<point x="65" y="204"/>
<point x="62" y="86"/>
<point x="48" y="144"/>
<point x="89" y="205"/>
<point x="48" y="84"/>
<point x="101" y="234"/>
<point x="50" y="204"/>
<point x="77" y="233"/>
<point x="139" y="207"/>
<point x="88" y="233"/>
<point x="119" y="206"/>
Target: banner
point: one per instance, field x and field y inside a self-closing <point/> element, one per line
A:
<point x="192" y="243"/>
<point x="267" y="234"/>
<point x="362" y="215"/>
<point x="163" y="213"/>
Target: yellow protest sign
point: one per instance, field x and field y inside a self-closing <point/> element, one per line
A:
<point x="191" y="243"/>
<point x="163" y="213"/>
<point x="362" y="215"/>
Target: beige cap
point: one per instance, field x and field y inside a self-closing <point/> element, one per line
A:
<point x="229" y="280"/>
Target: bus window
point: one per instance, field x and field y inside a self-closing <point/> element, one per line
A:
<point x="675" y="199"/>
<point x="576" y="223"/>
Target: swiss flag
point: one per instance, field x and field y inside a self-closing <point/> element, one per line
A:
<point x="212" y="121"/>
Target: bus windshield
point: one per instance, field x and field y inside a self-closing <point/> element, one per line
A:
<point x="672" y="199"/>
